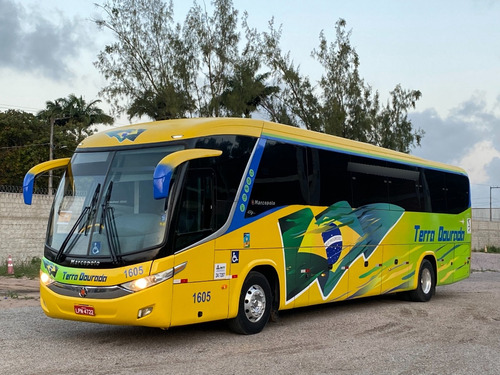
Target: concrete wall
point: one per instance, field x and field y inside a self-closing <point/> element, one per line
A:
<point x="485" y="233"/>
<point x="22" y="228"/>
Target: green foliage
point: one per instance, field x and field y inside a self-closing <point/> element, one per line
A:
<point x="149" y="64"/>
<point x="342" y="104"/>
<point x="297" y="104"/>
<point x="204" y="67"/>
<point x="215" y="43"/>
<point x="29" y="268"/>
<point x="24" y="142"/>
<point x="25" y="138"/>
<point x="73" y="118"/>
<point x="491" y="249"/>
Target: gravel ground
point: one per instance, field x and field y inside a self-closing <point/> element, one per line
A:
<point x="457" y="333"/>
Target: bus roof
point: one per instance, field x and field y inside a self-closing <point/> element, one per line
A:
<point x="170" y="130"/>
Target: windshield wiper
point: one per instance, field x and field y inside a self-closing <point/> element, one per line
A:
<point x="108" y="218"/>
<point x="86" y="212"/>
<point x="105" y="205"/>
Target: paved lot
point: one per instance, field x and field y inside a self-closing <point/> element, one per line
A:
<point x="458" y="332"/>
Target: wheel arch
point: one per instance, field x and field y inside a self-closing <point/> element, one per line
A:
<point x="424" y="256"/>
<point x="432" y="260"/>
<point x="270" y="273"/>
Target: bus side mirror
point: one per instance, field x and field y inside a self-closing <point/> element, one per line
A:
<point x="165" y="168"/>
<point x="29" y="178"/>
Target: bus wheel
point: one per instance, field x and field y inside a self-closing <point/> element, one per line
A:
<point x="426" y="283"/>
<point x="254" y="306"/>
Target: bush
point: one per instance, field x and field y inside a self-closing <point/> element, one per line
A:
<point x="28" y="268"/>
<point x="491" y="249"/>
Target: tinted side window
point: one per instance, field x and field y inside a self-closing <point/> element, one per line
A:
<point x="335" y="180"/>
<point x="448" y="192"/>
<point x="228" y="169"/>
<point x="369" y="181"/>
<point x="280" y="180"/>
<point x="405" y="189"/>
<point x="457" y="193"/>
<point x="435" y="185"/>
<point x="195" y="217"/>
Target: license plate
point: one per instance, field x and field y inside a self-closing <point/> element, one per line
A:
<point x="84" y="310"/>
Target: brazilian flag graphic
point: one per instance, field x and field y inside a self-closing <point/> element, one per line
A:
<point x="371" y="222"/>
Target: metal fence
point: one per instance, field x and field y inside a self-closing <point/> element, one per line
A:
<point x="486" y="214"/>
<point x="19" y="189"/>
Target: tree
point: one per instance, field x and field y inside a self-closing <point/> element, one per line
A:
<point x="163" y="70"/>
<point x="246" y="91"/>
<point x="24" y="142"/>
<point x="342" y="104"/>
<point x="297" y="104"/>
<point x="394" y="129"/>
<point x="216" y="42"/>
<point x="149" y="65"/>
<point x="76" y="117"/>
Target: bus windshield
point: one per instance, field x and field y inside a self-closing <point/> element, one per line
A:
<point x="104" y="207"/>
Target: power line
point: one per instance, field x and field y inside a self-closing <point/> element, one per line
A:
<point x="27" y="109"/>
<point x="32" y="145"/>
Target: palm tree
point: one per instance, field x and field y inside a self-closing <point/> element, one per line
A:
<point x="74" y="118"/>
<point x="246" y="90"/>
<point x="165" y="103"/>
<point x="76" y="115"/>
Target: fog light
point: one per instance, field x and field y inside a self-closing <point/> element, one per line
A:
<point x="144" y="312"/>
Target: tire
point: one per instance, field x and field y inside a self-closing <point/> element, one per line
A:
<point x="426" y="283"/>
<point x="254" y="306"/>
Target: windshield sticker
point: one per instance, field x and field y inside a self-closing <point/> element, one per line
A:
<point x="64" y="217"/>
<point x="96" y="248"/>
<point x="121" y="135"/>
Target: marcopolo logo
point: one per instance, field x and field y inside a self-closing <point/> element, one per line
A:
<point x="443" y="235"/>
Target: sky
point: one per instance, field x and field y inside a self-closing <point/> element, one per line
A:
<point x="449" y="50"/>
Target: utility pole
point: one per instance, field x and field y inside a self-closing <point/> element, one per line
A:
<point x="51" y="150"/>
<point x="491" y="211"/>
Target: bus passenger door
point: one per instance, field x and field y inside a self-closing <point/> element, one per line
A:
<point x="198" y="295"/>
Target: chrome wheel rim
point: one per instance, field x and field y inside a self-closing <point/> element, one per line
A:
<point x="255" y="303"/>
<point x="426" y="281"/>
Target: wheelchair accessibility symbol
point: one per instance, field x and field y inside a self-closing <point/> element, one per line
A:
<point x="96" y="247"/>
<point x="235" y="257"/>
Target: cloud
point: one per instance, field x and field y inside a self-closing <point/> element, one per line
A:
<point x="468" y="137"/>
<point x="32" y="43"/>
<point x="478" y="159"/>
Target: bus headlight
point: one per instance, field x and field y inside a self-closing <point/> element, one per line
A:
<point x="45" y="279"/>
<point x="149" y="281"/>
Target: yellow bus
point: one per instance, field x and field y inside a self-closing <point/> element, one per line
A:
<point x="185" y="221"/>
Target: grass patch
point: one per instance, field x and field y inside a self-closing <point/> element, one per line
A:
<point x="491" y="249"/>
<point x="9" y="294"/>
<point x="29" y="268"/>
